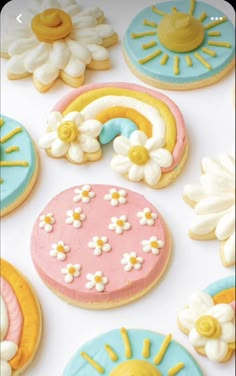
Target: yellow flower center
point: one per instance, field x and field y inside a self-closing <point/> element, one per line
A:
<point x="48" y="219"/>
<point x="85" y="193"/>
<point x="98" y="279"/>
<point x="71" y="270"/>
<point x="76" y="216"/>
<point x="135" y="368"/>
<point x="67" y="131"/>
<point x="120" y="223"/>
<point x="138" y="155"/>
<point x="148" y="215"/>
<point x="154" y="244"/>
<point x="100" y="243"/>
<point x="115" y="195"/>
<point x="208" y="326"/>
<point x="51" y="25"/>
<point x="133" y="260"/>
<point x="60" y="248"/>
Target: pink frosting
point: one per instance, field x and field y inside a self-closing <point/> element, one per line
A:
<point x="15" y="316"/>
<point x="122" y="285"/>
<point x="180" y="124"/>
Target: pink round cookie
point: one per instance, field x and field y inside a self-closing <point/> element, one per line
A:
<point x="100" y="246"/>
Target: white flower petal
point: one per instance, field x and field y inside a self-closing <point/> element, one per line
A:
<point x="73" y="116"/>
<point x="226" y="226"/>
<point x="61" y="256"/>
<point x="75" y="152"/>
<point x="162" y="156"/>
<point x="90" y="285"/>
<point x="69" y="278"/>
<point x="47" y="139"/>
<point x="200" y="303"/>
<point x="8" y="350"/>
<point x="136" y="172"/>
<point x="187" y="318"/>
<point x="100" y="287"/>
<point x="121" y="164"/>
<point x="5" y="368"/>
<point x="138" y="138"/>
<point x="59" y="148"/>
<point x="37" y="56"/>
<point x="152" y="172"/>
<point x="79" y="51"/>
<point x="153" y="144"/>
<point x="98" y="53"/>
<point x="228" y="332"/>
<point x="222" y="312"/>
<point x="196" y="339"/>
<point x="121" y="145"/>
<point x="91" y="127"/>
<point x="89" y="144"/>
<point x="216" y="350"/>
<point x="54" y="120"/>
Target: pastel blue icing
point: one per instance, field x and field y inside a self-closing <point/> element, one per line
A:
<point x="15" y="178"/>
<point x="78" y="366"/>
<point x="220" y="285"/>
<point x="165" y="73"/>
<point x="116" y="127"/>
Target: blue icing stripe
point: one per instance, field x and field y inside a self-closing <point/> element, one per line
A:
<point x="116" y="127"/>
<point x="220" y="285"/>
<point x="96" y="350"/>
<point x="15" y="179"/>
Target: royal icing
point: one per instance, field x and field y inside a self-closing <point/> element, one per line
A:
<point x="108" y="241"/>
<point x="58" y="40"/>
<point x="214" y="203"/>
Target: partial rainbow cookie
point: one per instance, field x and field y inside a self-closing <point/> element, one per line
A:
<point x="213" y="200"/>
<point x="100" y="246"/>
<point x="209" y="320"/>
<point x="20" y="322"/>
<point x="132" y="352"/>
<point x="147" y="127"/>
<point x="180" y="45"/>
<point x="54" y="40"/>
<point x="19" y="164"/>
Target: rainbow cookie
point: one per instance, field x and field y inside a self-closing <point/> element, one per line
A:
<point x="19" y="164"/>
<point x="179" y="46"/>
<point x="151" y="145"/>
<point x="55" y="40"/>
<point x="209" y="320"/>
<point x="100" y="246"/>
<point x="132" y="352"/>
<point x="20" y="321"/>
<point x="213" y="201"/>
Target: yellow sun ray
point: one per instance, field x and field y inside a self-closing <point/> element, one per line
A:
<point x="1" y="180"/>
<point x="13" y="163"/>
<point x="188" y="61"/>
<point x="203" y="16"/>
<point x="174" y="370"/>
<point x="150" y="23"/>
<point x="92" y="362"/>
<point x="145" y="46"/>
<point x="192" y="7"/>
<point x="158" y="11"/>
<point x="209" y="51"/>
<point x="174" y="9"/>
<point x="10" y="135"/>
<point x="158" y="358"/>
<point x="164" y="59"/>
<point x="219" y="44"/>
<point x="176" y="64"/>
<point x="1" y="122"/>
<point x="11" y="149"/>
<point x="150" y="57"/>
<point x="112" y="354"/>
<point x="214" y="23"/>
<point x="202" y="60"/>
<point x="143" y="34"/>
<point x="125" y="337"/>
<point x="214" y="33"/>
<point x="146" y="348"/>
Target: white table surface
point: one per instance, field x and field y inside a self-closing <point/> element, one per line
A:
<point x="209" y="114"/>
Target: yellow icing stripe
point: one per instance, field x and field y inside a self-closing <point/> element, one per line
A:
<point x="219" y="44"/>
<point x="1" y="180"/>
<point x="232" y="346"/>
<point x="176" y="64"/>
<point x="188" y="60"/>
<point x="158" y="358"/>
<point x="202" y="60"/>
<point x="142" y="123"/>
<point x="203" y="16"/>
<point x="11" y="149"/>
<point x="150" y="23"/>
<point x="174" y="370"/>
<point x="31" y="313"/>
<point x="125" y="337"/>
<point x="13" y="163"/>
<point x="209" y="51"/>
<point x="113" y="356"/>
<point x="225" y="296"/>
<point x="214" y="33"/>
<point x="10" y="135"/>
<point x="146" y="348"/>
<point x="1" y="122"/>
<point x="92" y="362"/>
<point x="214" y="23"/>
<point x="164" y="59"/>
<point x="150" y="57"/>
<point x="149" y="45"/>
<point x="143" y="34"/>
<point x="88" y="97"/>
<point x="192" y="7"/>
<point x="158" y="11"/>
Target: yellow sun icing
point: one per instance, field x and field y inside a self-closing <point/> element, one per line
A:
<point x="60" y="248"/>
<point x="133" y="260"/>
<point x="120" y="223"/>
<point x="138" y="154"/>
<point x="137" y="368"/>
<point x="51" y="25"/>
<point x="67" y="131"/>
<point x="180" y="32"/>
<point x="115" y="195"/>
<point x="47" y="219"/>
<point x="208" y="326"/>
<point x="76" y="216"/>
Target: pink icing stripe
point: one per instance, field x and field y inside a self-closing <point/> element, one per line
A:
<point x="180" y="124"/>
<point x="14" y="312"/>
<point x="233" y="305"/>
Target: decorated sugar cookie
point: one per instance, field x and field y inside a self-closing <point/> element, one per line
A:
<point x="100" y="246"/>
<point x="146" y="127"/>
<point x="213" y="201"/>
<point x="20" y="322"/>
<point x="209" y="320"/>
<point x="18" y="162"/>
<point x="132" y="352"/>
<point x="57" y="39"/>
<point x="180" y="45"/>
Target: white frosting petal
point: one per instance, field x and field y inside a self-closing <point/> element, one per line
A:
<point x="87" y="35"/>
<point x="196" y="339"/>
<point x="200" y="302"/>
<point x="121" y="145"/>
<point x="104" y="30"/>
<point x="8" y="349"/>
<point x="37" y="57"/>
<point x="91" y="127"/>
<point x="194" y="192"/>
<point x="205" y="224"/>
<point x="214" y="184"/>
<point x="50" y="4"/>
<point x="95" y="12"/>
<point x="54" y="120"/>
<point x="73" y="116"/>
<point x="214" y="204"/>
<point x="75" y="152"/>
<point x="187" y="318"/>
<point x="84" y="21"/>
<point x="216" y="350"/>
<point x="79" y="51"/>
<point x="98" y="53"/>
<point x="229" y="250"/>
<point x="46" y="74"/>
<point x="222" y="312"/>
<point x="214" y="166"/>
<point x="21" y="45"/>
<point x="136" y="172"/>
<point x="138" y="138"/>
<point x="228" y="162"/>
<point x="47" y="140"/>
<point x="89" y="144"/>
<point x="60" y="54"/>
<point x="154" y="143"/>
<point x="75" y="67"/>
<point x="4" y="322"/>
<point x="226" y="226"/>
<point x="162" y="156"/>
<point x="5" y="368"/>
<point x="59" y="148"/>
<point x="16" y="65"/>
<point x="152" y="172"/>
<point x="72" y="9"/>
<point x="228" y="332"/>
<point x="121" y="164"/>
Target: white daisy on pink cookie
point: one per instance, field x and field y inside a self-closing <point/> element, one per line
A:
<point x="84" y="194"/>
<point x="131" y="261"/>
<point x="46" y="222"/>
<point x="75" y="217"/>
<point x="97" y="281"/>
<point x="59" y="250"/>
<point x="71" y="271"/>
<point x="100" y="245"/>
